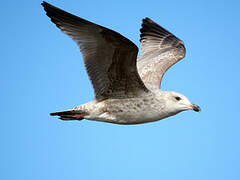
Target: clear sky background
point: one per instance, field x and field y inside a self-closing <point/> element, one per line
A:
<point x="42" y="71"/>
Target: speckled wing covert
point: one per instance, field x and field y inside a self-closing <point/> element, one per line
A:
<point x="110" y="58"/>
<point x="160" y="50"/>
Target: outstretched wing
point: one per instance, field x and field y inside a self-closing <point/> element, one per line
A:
<point x="160" y="50"/>
<point x="110" y="58"/>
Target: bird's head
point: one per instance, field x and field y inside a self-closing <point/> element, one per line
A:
<point x="177" y="102"/>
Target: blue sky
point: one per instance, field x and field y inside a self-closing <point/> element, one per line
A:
<point x="42" y="71"/>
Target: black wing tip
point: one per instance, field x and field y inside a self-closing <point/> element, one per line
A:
<point x="147" y="20"/>
<point x="50" y="9"/>
<point x="150" y="25"/>
<point x="151" y="28"/>
<point x="46" y="4"/>
<point x="57" y="15"/>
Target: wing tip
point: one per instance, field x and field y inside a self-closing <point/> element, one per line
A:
<point x="43" y="3"/>
<point x="46" y="4"/>
<point x="148" y="25"/>
<point x="151" y="28"/>
<point x="147" y="20"/>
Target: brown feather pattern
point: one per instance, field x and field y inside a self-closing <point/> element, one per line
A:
<point x="109" y="58"/>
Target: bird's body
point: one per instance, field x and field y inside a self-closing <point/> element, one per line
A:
<point x="147" y="108"/>
<point x="126" y="89"/>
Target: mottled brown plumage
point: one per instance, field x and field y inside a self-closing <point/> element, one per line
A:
<point x="121" y="96"/>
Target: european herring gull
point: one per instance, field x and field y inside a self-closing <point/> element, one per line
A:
<point x="126" y="88"/>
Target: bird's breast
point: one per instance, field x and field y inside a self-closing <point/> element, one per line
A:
<point x="132" y="110"/>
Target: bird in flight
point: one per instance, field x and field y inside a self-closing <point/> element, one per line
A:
<point x="127" y="88"/>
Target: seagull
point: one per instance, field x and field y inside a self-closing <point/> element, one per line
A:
<point x="126" y="88"/>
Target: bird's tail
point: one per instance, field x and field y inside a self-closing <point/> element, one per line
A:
<point x="70" y="115"/>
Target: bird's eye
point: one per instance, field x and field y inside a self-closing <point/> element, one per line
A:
<point x="178" y="98"/>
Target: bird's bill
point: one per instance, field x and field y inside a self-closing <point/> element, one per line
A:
<point x="195" y="107"/>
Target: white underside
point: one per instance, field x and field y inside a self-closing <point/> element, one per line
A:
<point x="127" y="111"/>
